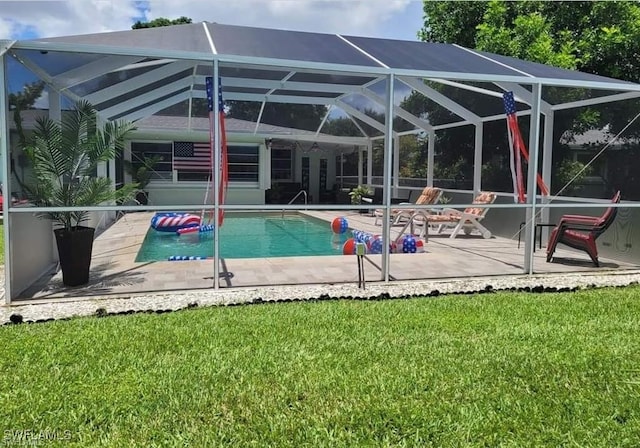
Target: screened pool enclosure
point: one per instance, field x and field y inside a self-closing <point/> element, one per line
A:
<point x="308" y="117"/>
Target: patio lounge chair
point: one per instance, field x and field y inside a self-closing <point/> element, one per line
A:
<point x="430" y="195"/>
<point x="580" y="232"/>
<point x="467" y="220"/>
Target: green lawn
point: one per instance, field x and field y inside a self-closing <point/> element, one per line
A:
<point x="504" y="369"/>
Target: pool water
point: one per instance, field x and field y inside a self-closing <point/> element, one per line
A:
<point x="249" y="236"/>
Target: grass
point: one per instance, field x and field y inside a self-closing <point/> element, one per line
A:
<point x="504" y="369"/>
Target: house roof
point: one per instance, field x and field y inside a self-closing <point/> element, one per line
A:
<point x="174" y="125"/>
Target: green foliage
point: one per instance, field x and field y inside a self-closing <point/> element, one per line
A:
<point x="413" y="156"/>
<point x="299" y="116"/>
<point x="526" y="35"/>
<point x="23" y="101"/>
<point x="597" y="37"/>
<point x="26" y="99"/>
<point x="496" y="174"/>
<point x="504" y="369"/>
<point x="602" y="38"/>
<point x="161" y="21"/>
<point x="142" y="171"/>
<point x="357" y="193"/>
<point x="64" y="157"/>
<point x="455" y="170"/>
<point x="342" y="126"/>
<point x="451" y="22"/>
<point x="568" y="176"/>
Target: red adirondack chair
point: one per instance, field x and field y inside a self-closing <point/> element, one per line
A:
<point x="580" y="232"/>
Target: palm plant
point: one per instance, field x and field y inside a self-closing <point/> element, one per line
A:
<point x="64" y="156"/>
<point x="357" y="193"/>
<point x="141" y="173"/>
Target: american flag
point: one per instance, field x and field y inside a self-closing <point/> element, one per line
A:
<point x="515" y="139"/>
<point x="188" y="156"/>
<point x="218" y="113"/>
<point x="518" y="150"/>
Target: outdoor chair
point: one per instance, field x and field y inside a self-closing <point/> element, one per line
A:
<point x="467" y="220"/>
<point x="14" y="200"/>
<point x="581" y="232"/>
<point x="429" y="196"/>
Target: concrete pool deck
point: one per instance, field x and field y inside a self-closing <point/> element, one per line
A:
<point x="115" y="273"/>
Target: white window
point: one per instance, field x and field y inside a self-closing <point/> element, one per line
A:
<point x="243" y="161"/>
<point x="163" y="169"/>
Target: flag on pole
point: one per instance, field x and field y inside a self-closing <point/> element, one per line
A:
<point x="216" y="112"/>
<point x="517" y="151"/>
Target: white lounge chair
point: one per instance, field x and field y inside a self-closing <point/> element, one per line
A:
<point x="467" y="220"/>
<point x="430" y="195"/>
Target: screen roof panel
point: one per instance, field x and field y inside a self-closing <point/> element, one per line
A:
<point x="428" y="56"/>
<point x="189" y="38"/>
<point x="264" y="43"/>
<point x="282" y="44"/>
<point x="550" y="72"/>
<point x="55" y="63"/>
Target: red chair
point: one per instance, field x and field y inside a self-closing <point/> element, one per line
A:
<point x="580" y="232"/>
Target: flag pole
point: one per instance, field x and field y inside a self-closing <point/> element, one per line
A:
<point x="512" y="165"/>
<point x="213" y="86"/>
<point x="206" y="198"/>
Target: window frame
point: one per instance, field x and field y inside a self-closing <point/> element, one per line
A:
<point x="254" y="153"/>
<point x="290" y="169"/>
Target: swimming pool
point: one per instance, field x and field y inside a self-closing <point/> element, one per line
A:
<point x="249" y="235"/>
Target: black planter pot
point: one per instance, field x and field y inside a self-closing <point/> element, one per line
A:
<point x="142" y="197"/>
<point x="74" y="250"/>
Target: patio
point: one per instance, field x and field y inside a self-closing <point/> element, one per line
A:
<point x="114" y="272"/>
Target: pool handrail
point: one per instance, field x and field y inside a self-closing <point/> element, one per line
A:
<point x="301" y="192"/>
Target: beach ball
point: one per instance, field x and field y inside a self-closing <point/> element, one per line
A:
<point x="375" y="245"/>
<point x="349" y="247"/>
<point x="339" y="225"/>
<point x="409" y="244"/>
<point x="419" y="246"/>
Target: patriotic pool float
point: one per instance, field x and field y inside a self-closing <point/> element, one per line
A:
<point x="173" y="222"/>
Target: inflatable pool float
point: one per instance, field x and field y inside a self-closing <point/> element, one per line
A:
<point x="172" y="222"/>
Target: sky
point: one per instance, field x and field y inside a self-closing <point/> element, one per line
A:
<point x="394" y="19"/>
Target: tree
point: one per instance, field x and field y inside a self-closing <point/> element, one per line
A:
<point x="18" y="102"/>
<point x="596" y="37"/>
<point x="299" y="116"/>
<point x="161" y="21"/>
<point x="342" y="126"/>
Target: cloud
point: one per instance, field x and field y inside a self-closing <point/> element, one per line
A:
<point x="360" y="17"/>
<point x="47" y="18"/>
<point x="60" y="18"/>
<point x="5" y="28"/>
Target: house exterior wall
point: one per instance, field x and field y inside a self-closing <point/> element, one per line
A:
<point x="314" y="171"/>
<point x="169" y="194"/>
